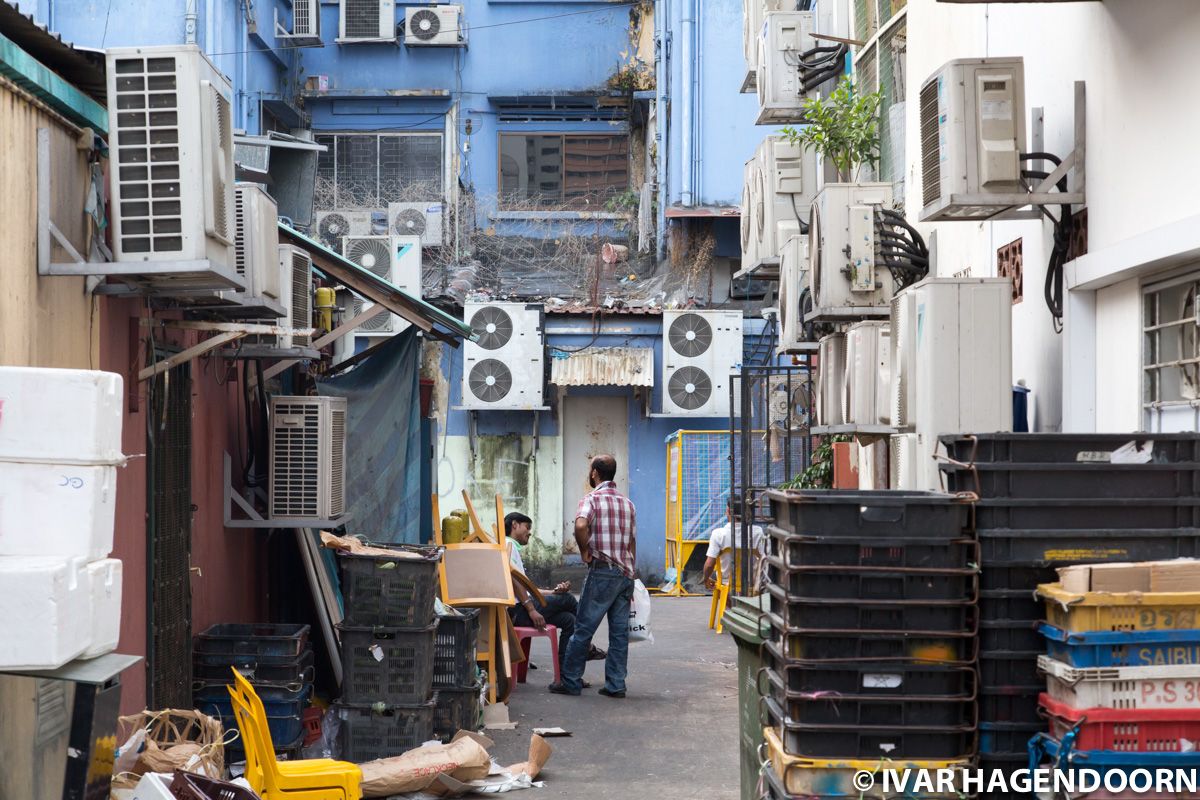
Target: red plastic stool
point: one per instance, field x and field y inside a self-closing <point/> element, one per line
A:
<point x="525" y="636"/>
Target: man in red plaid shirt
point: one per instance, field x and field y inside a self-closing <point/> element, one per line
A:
<point x="606" y="532"/>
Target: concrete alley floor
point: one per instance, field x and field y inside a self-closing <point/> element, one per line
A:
<point x="674" y="737"/>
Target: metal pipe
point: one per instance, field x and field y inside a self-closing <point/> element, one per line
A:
<point x="189" y="22"/>
<point x="662" y="83"/>
<point x="698" y="116"/>
<point x="688" y="66"/>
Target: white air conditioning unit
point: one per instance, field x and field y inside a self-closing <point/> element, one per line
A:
<point x="972" y="115"/>
<point x="784" y="185"/>
<point x="295" y="270"/>
<point x="785" y="36"/>
<point x="308" y="458"/>
<point x="831" y="379"/>
<point x="332" y="227"/>
<point x="505" y="367"/>
<point x="396" y="259"/>
<point x="842" y="247"/>
<point x="435" y="26"/>
<point x="417" y="219"/>
<point x="701" y="350"/>
<point x="753" y="13"/>
<point x="793" y="272"/>
<point x="366" y="21"/>
<point x="306" y="23"/>
<point x="256" y="251"/>
<point x="904" y="471"/>
<point x="904" y="357"/>
<point x="788" y="401"/>
<point x="868" y="374"/>
<point x="749" y="240"/>
<point x="171" y="148"/>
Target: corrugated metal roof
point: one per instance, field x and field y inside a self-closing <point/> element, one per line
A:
<point x="603" y="366"/>
<point x="83" y="67"/>
<point x="579" y="307"/>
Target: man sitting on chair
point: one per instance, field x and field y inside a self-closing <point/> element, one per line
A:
<point x="722" y="538"/>
<point x="560" y="607"/>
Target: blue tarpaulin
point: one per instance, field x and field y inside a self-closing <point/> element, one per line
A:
<point x="383" y="440"/>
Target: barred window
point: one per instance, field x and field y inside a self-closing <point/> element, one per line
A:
<point x="368" y="171"/>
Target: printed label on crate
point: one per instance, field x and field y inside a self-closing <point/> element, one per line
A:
<point x="1166" y="656"/>
<point x="1087" y="554"/>
<point x="876" y="680"/>
<point x="1167" y="619"/>
<point x="1168" y="692"/>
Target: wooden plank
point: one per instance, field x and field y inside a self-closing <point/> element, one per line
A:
<point x="39" y="80"/>
<point x="188" y="354"/>
<point x="332" y="336"/>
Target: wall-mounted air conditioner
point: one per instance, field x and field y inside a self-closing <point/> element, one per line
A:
<point x="332" y="227"/>
<point x="749" y="240"/>
<point x="788" y="402"/>
<point x="295" y="270"/>
<point x="793" y="274"/>
<point x="435" y="26"/>
<point x="842" y="247"/>
<point x="505" y="367"/>
<point x="396" y="259"/>
<point x="417" y="219"/>
<point x="171" y="149"/>
<point x="831" y="379"/>
<point x="306" y="24"/>
<point x="868" y="374"/>
<point x="783" y="188"/>
<point x="753" y="13"/>
<point x="903" y="469"/>
<point x="904" y="357"/>
<point x="701" y="350"/>
<point x="366" y="21"/>
<point x="972" y="114"/>
<point x="256" y="252"/>
<point x="308" y="458"/>
<point x="785" y="36"/>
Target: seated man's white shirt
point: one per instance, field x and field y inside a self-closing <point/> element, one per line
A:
<point x="722" y="538"/>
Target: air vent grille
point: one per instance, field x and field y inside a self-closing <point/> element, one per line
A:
<point x="362" y="18"/>
<point x="301" y="295"/>
<point x="337" y="478"/>
<point x="931" y="156"/>
<point x="241" y="242"/>
<point x="302" y="18"/>
<point x="296" y="460"/>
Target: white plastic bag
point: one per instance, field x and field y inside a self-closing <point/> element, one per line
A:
<point x="639" y="614"/>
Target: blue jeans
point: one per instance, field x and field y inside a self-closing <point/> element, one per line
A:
<point x="606" y="592"/>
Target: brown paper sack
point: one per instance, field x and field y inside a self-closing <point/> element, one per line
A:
<point x="464" y="758"/>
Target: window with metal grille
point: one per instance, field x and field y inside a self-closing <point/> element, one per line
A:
<point x="581" y="170"/>
<point x="1171" y="354"/>
<point x="880" y="65"/>
<point x="368" y="171"/>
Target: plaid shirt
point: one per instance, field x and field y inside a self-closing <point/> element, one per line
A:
<point x="612" y="522"/>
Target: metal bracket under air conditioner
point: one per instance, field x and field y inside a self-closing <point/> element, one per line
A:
<point x="252" y="518"/>
<point x="226" y="332"/>
<point x="47" y="230"/>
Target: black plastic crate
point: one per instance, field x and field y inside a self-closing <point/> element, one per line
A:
<point x="1017" y="605"/>
<point x="393" y="666"/>
<point x="1067" y="448"/>
<point x="1007" y="737"/>
<point x="861" y="515"/>
<point x="1050" y="481"/>
<point x="454" y="649"/>
<point x="1008" y="635"/>
<point x="279" y="642"/>
<point x="796" y="550"/>
<point x="1056" y="546"/>
<point x="1013" y="704"/>
<point x="456" y="710"/>
<point x="874" y="583"/>
<point x="1009" y="668"/>
<point x="1112" y="519"/>
<point x="868" y="742"/>
<point x="394" y="591"/>
<point x="873" y="706"/>
<point x="864" y="679"/>
<point x="872" y="615"/>
<point x="998" y="576"/>
<point x="217" y="668"/>
<point x="838" y="646"/>
<point x="369" y="731"/>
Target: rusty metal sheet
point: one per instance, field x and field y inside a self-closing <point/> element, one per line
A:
<point x="603" y="366"/>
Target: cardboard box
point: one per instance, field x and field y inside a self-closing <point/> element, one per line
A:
<point x="1179" y="575"/>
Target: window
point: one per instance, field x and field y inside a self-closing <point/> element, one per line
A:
<point x="881" y="65"/>
<point x="545" y="171"/>
<point x="368" y="171"/>
<point x="1171" y="355"/>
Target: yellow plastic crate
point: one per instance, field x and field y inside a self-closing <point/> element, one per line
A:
<point x="815" y="777"/>
<point x="1120" y="611"/>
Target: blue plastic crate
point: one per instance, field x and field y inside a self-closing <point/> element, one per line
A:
<point x="1045" y="750"/>
<point x="1118" y="649"/>
<point x="1007" y="737"/>
<point x="285" y="719"/>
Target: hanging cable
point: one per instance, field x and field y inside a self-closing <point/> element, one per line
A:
<point x="1052" y="290"/>
<point x="900" y="248"/>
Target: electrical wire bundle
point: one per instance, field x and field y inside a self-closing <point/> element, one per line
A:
<point x="901" y="249"/>
<point x="819" y="64"/>
<point x="1053" y="289"/>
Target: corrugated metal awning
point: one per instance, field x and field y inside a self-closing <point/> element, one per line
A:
<point x="603" y="366"/>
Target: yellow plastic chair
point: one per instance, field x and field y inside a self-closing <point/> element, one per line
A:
<point x="720" y="595"/>
<point x="310" y="779"/>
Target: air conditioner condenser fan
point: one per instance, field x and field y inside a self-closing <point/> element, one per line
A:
<point x="492" y="326"/>
<point x="490" y="380"/>
<point x="690" y="335"/>
<point x="409" y="222"/>
<point x="425" y="25"/>
<point x="689" y="388"/>
<point x="371" y="254"/>
<point x="332" y="228"/>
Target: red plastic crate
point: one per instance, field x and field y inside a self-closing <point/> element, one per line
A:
<point x="1138" y="730"/>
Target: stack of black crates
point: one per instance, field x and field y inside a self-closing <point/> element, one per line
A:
<point x="388" y="638"/>
<point x="1050" y="500"/>
<point x="872" y="606"/>
<point x="455" y="675"/>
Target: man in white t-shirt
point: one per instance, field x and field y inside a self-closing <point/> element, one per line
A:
<point x="723" y="537"/>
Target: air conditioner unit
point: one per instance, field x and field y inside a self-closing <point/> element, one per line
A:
<point x="785" y="183"/>
<point x="868" y="374"/>
<point x="308" y="458"/>
<point x="749" y="240"/>
<point x="785" y="36"/>
<point x="972" y="116"/>
<point x="306" y="23"/>
<point x="505" y="367"/>
<point x="396" y="259"/>
<point x="366" y="21"/>
<point x="417" y="219"/>
<point x="295" y="270"/>
<point x="788" y="401"/>
<point x="793" y="271"/>
<point x="831" y="379"/>
<point x="701" y="350"/>
<point x="904" y="353"/>
<point x="903" y="467"/>
<point x="332" y="227"/>
<point x="753" y="13"/>
<point x="256" y="252"/>
<point x="171" y="148"/>
<point x="435" y="26"/>
<point x="842" y="247"/>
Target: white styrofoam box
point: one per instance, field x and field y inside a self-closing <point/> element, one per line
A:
<point x="153" y="786"/>
<point x="45" y="617"/>
<point x="1166" y="686"/>
<point x="104" y="579"/>
<point x="57" y="510"/>
<point x="65" y="416"/>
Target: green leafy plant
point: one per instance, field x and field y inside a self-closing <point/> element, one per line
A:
<point x="843" y="128"/>
<point x="819" y="474"/>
